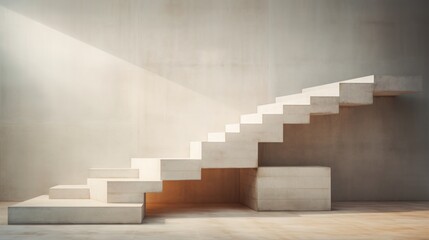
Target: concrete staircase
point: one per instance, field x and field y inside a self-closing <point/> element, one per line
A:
<point x="118" y="195"/>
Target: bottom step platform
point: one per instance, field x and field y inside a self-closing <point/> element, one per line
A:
<point x="42" y="210"/>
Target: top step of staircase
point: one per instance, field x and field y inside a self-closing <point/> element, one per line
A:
<point x="384" y="85"/>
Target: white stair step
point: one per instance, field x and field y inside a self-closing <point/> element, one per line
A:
<point x="359" y="91"/>
<point x="226" y="155"/>
<point x="294" y="99"/>
<point x="254" y="118"/>
<point x="42" y="210"/>
<point x="232" y="128"/>
<point x="169" y="168"/>
<point x="272" y="108"/>
<point x="121" y="190"/>
<point x="386" y="85"/>
<point x="69" y="192"/>
<point x="216" y="137"/>
<point x="121" y="198"/>
<point x="113" y="173"/>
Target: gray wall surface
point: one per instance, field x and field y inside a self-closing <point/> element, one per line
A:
<point x="92" y="83"/>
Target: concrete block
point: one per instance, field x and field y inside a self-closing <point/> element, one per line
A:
<point x="355" y="94"/>
<point x="123" y="198"/>
<point x="286" y="188"/>
<point x="251" y="118"/>
<point x="325" y="105"/>
<point x="69" y="192"/>
<point x="226" y="154"/>
<point x="386" y="85"/>
<point x="42" y="210"/>
<point x="181" y="169"/>
<point x="121" y="190"/>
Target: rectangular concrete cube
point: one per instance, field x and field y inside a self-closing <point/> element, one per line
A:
<point x="286" y="188"/>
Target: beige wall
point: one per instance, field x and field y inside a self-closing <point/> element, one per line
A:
<point x="77" y="90"/>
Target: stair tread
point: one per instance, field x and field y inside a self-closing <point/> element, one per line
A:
<point x="171" y="158"/>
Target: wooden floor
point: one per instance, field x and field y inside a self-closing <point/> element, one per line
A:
<point x="351" y="220"/>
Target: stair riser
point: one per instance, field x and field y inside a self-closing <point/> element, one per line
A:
<point x="228" y="155"/>
<point x="294" y="99"/>
<point x="69" y="193"/>
<point x="356" y="94"/>
<point x="325" y="105"/>
<point x="176" y="169"/>
<point x="397" y="85"/>
<point x="114" y="173"/>
<point x="124" y="198"/>
<point x="134" y="187"/>
<point x="121" y="191"/>
<point x="251" y="118"/>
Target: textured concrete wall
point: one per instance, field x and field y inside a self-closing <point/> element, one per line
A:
<point x="96" y="105"/>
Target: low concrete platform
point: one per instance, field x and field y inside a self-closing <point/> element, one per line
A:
<point x="348" y="220"/>
<point x="305" y="188"/>
<point x="42" y="210"/>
